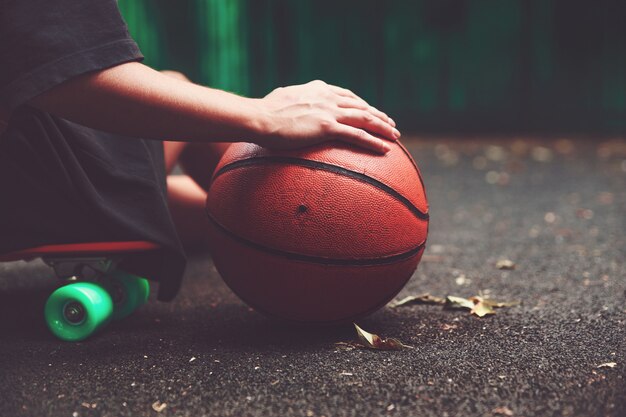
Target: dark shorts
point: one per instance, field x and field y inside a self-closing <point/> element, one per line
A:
<point x="64" y="183"/>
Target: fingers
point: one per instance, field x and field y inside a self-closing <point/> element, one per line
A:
<point x="348" y="103"/>
<point x="344" y="92"/>
<point x="361" y="138"/>
<point x="367" y="121"/>
<point x="352" y="100"/>
<point x="356" y="100"/>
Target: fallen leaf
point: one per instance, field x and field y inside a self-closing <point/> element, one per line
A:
<point x="485" y="306"/>
<point x="158" y="406"/>
<point x="478" y="305"/>
<point x="505" y="264"/>
<point x="608" y="365"/>
<point x="418" y="299"/>
<point x="499" y="304"/>
<point x="502" y="411"/>
<point x="454" y="302"/>
<point x="482" y="309"/>
<point x="373" y="341"/>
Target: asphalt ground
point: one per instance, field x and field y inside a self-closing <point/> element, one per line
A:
<point x="554" y="207"/>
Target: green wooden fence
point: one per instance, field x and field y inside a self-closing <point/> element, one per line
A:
<point x="438" y="65"/>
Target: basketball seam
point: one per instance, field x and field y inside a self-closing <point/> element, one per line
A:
<point x="330" y="322"/>
<point x="266" y="160"/>
<point x="318" y="259"/>
<point x="419" y="174"/>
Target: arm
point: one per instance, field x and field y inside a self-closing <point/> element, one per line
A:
<point x="134" y="100"/>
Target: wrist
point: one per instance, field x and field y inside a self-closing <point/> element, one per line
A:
<point x="261" y="123"/>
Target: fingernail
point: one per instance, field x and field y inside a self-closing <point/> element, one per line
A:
<point x="386" y="148"/>
<point x="396" y="133"/>
<point x="393" y="123"/>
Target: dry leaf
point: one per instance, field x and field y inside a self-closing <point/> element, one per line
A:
<point x="453" y="302"/>
<point x="608" y="365"/>
<point x="373" y="341"/>
<point x="482" y="309"/>
<point x="506" y="264"/>
<point x="500" y="304"/>
<point x="158" y="406"/>
<point x="418" y="299"/>
<point x="477" y="305"/>
<point x="485" y="306"/>
<point x="502" y="411"/>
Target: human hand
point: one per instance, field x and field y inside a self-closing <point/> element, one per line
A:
<point x="315" y="112"/>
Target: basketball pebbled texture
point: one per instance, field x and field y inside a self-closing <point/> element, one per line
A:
<point x="323" y="234"/>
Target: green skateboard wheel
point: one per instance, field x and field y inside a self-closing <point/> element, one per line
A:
<point x="144" y="290"/>
<point x="128" y="293"/>
<point x="76" y="311"/>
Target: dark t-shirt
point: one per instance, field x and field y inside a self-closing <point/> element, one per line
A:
<point x="61" y="182"/>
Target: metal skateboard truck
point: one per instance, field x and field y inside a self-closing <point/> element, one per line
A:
<point x="96" y="290"/>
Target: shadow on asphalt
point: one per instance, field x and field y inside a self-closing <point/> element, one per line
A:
<point x="228" y="325"/>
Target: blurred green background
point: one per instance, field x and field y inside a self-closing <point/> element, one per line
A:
<point x="435" y="65"/>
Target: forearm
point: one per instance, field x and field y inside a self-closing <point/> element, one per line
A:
<point x="134" y="100"/>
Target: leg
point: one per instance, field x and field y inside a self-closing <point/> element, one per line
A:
<point x="172" y="151"/>
<point x="199" y="160"/>
<point x="186" y="193"/>
<point x="187" y="201"/>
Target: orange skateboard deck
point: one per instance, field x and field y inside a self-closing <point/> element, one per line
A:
<point x="81" y="260"/>
<point x="78" y="249"/>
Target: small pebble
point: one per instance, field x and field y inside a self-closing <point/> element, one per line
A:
<point x="549" y="217"/>
<point x="505" y="264"/>
<point x="492" y="177"/>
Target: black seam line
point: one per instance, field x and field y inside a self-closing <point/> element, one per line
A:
<point x="324" y="167"/>
<point x="419" y="174"/>
<point x="319" y="259"/>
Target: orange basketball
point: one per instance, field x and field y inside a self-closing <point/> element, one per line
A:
<point x="324" y="234"/>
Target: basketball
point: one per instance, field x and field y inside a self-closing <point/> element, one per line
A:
<point x="324" y="234"/>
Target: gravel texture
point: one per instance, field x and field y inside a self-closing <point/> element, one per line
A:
<point x="556" y="208"/>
